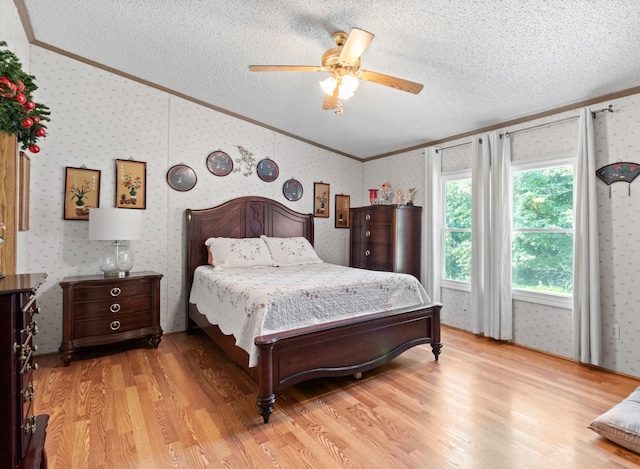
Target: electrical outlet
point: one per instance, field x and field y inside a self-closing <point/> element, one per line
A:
<point x="615" y="331"/>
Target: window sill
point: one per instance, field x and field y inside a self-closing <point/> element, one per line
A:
<point x="558" y="300"/>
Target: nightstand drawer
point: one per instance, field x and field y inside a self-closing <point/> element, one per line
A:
<point x="112" y="308"/>
<point x="111" y="290"/>
<point x="112" y="325"/>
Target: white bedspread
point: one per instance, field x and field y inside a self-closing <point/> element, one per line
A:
<point x="249" y="303"/>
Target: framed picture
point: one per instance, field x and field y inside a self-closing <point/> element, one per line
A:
<point x="131" y="184"/>
<point x="25" y="182"/>
<point x="81" y="192"/>
<point x="343" y="204"/>
<point x="219" y="163"/>
<point x="181" y="178"/>
<point x="267" y="170"/>
<point x="320" y="200"/>
<point x="292" y="189"/>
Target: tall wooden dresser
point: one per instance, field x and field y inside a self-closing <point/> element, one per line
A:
<point x="22" y="433"/>
<point x="387" y="238"/>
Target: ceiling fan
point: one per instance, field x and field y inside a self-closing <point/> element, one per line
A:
<point x="343" y="63"/>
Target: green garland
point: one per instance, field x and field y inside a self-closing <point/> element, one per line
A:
<point x="19" y="114"/>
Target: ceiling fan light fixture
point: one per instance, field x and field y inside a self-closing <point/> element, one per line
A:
<point x="347" y="88"/>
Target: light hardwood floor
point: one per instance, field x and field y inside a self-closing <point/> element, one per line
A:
<point x="483" y="405"/>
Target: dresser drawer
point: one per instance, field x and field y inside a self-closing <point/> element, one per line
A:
<point x="111" y="308"/>
<point x="373" y="216"/>
<point x="372" y="234"/>
<point x="372" y="254"/>
<point x="112" y="325"/>
<point x="111" y="290"/>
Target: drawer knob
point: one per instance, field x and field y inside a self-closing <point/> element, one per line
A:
<point x="367" y="253"/>
<point x="115" y="291"/>
<point x="114" y="308"/>
<point x="367" y="217"/>
<point x="114" y="326"/>
<point x="368" y="233"/>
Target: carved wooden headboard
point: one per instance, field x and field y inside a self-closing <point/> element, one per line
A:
<point x="244" y="217"/>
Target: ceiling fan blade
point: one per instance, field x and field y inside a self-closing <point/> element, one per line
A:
<point x="286" y="68"/>
<point x="331" y="102"/>
<point x="357" y="42"/>
<point x="393" y="82"/>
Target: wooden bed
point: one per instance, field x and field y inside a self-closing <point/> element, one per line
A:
<point x="338" y="348"/>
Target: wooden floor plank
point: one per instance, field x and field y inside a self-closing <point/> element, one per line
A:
<point x="484" y="404"/>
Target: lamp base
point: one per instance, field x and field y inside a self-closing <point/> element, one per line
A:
<point x="116" y="260"/>
<point x="116" y="274"/>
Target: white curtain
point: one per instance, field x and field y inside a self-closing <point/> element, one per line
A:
<point x="491" y="302"/>
<point x="433" y="224"/>
<point x="587" y="322"/>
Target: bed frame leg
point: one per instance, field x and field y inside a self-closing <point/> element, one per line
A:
<point x="436" y="347"/>
<point x="265" y="406"/>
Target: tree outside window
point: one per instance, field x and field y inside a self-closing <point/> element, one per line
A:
<point x="542" y="239"/>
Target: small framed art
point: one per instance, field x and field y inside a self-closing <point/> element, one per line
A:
<point x="267" y="170"/>
<point x="131" y="184"/>
<point x="181" y="178"/>
<point x="219" y="163"/>
<point x="292" y="189"/>
<point x="81" y="192"/>
<point x="320" y="200"/>
<point x="343" y="204"/>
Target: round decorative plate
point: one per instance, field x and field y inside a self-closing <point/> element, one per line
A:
<point x="292" y="189"/>
<point x="267" y="170"/>
<point x="181" y="177"/>
<point x="219" y="163"/>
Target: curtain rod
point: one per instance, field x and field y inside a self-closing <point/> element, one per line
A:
<point x="561" y="121"/>
<point x="457" y="145"/>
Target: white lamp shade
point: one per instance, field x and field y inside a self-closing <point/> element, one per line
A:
<point x="115" y="224"/>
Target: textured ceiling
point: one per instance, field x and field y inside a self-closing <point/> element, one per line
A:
<point x="482" y="62"/>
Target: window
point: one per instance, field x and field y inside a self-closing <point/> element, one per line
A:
<point x="542" y="238"/>
<point x="457" y="228"/>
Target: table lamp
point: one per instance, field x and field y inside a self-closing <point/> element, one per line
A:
<point x="119" y="226"/>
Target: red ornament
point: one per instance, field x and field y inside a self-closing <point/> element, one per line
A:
<point x="40" y="132"/>
<point x="33" y="148"/>
<point x="28" y="122"/>
<point x="36" y="119"/>
<point x="21" y="98"/>
<point x="30" y="105"/>
<point x="7" y="89"/>
<point x="20" y="86"/>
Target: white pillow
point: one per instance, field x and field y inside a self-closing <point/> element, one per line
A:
<point x="230" y="253"/>
<point x="621" y="423"/>
<point x="291" y="251"/>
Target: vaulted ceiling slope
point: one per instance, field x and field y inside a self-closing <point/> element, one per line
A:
<point x="481" y="62"/>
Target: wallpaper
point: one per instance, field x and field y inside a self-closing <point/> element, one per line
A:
<point x="98" y="117"/>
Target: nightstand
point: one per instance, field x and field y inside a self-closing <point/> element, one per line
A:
<point x="100" y="310"/>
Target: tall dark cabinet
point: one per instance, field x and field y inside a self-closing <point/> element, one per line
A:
<point x="22" y="433"/>
<point x="387" y="238"/>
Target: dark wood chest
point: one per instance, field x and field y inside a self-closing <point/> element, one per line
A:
<point x="22" y="432"/>
<point x="387" y="238"/>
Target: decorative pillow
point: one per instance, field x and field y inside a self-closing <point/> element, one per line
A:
<point x="229" y="253"/>
<point x="621" y="423"/>
<point x="291" y="251"/>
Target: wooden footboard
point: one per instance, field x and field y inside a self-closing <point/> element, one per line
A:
<point x="339" y="348"/>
